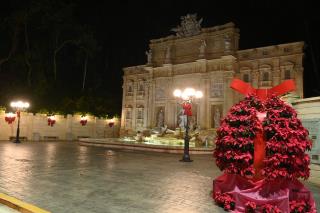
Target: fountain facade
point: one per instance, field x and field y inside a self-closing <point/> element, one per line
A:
<point x="206" y="59"/>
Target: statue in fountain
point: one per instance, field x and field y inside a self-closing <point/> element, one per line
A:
<point x="160" y="119"/>
<point x="182" y="119"/>
<point x="139" y="137"/>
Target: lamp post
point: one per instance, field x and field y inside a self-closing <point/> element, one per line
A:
<point x="19" y="106"/>
<point x="187" y="97"/>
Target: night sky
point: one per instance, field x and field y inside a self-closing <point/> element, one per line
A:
<point x="123" y="29"/>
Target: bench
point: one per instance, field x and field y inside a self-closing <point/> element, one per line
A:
<point x="50" y="138"/>
<point x="22" y="138"/>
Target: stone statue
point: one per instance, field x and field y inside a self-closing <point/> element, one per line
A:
<point x="149" y="56"/>
<point x="216" y="118"/>
<point x="202" y="49"/>
<point x="160" y="119"/>
<point x="168" y="55"/>
<point x="139" y="137"/>
<point x="182" y="119"/>
<point x="189" y="26"/>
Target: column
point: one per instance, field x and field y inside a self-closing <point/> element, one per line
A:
<point x="228" y="92"/>
<point x="203" y="115"/>
<point x="298" y="78"/>
<point x="255" y="78"/>
<point x="276" y="72"/>
<point x="124" y="86"/>
<point x="134" y="105"/>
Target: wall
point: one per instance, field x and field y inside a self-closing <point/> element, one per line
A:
<point x="309" y="112"/>
<point x="35" y="127"/>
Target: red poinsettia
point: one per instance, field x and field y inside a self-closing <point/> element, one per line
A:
<point x="225" y="200"/>
<point x="250" y="207"/>
<point x="300" y="206"/>
<point x="268" y="208"/>
<point x="286" y="142"/>
<point x="234" y="144"/>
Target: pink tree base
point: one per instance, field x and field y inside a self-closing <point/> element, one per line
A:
<point x="278" y="193"/>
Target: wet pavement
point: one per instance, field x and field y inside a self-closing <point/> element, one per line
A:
<point x="64" y="177"/>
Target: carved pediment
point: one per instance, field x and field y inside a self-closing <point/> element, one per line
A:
<point x="189" y="26"/>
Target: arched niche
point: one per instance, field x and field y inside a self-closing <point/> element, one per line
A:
<point x="129" y="87"/>
<point x="287" y="70"/>
<point x="141" y="86"/>
<point x="245" y="74"/>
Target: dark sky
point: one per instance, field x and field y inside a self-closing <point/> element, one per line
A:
<point x="123" y="29"/>
<point x="126" y="26"/>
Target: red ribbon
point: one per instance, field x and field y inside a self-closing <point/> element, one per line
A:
<point x="187" y="108"/>
<point x="245" y="88"/>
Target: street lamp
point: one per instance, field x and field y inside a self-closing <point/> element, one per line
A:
<point x="19" y="106"/>
<point x="187" y="97"/>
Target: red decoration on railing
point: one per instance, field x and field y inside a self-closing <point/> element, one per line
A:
<point x="10" y="118"/>
<point x="51" y="121"/>
<point x="83" y="120"/>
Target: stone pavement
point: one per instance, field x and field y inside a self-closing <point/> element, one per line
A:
<point x="63" y="177"/>
<point x="6" y="209"/>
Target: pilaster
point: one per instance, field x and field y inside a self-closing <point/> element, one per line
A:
<point x="228" y="92"/>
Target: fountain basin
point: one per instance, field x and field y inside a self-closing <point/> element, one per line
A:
<point x="116" y="143"/>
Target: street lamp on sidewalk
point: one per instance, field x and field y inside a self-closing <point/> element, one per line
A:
<point x="187" y="96"/>
<point x="19" y="106"/>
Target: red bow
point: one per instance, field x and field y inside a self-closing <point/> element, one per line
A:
<point x="263" y="94"/>
<point x="187" y="108"/>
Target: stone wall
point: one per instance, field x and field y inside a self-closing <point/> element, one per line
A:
<point x="35" y="127"/>
<point x="309" y="112"/>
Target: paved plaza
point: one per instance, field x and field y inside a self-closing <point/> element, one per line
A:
<point x="63" y="177"/>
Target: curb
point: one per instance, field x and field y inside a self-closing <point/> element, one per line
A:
<point x="19" y="205"/>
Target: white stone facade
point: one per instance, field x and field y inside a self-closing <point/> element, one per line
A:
<point x="208" y="62"/>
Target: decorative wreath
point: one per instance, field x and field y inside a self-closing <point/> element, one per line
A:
<point x="286" y="140"/>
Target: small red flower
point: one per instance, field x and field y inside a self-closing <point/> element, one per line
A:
<point x="250" y="207"/>
<point x="225" y="200"/>
<point x="268" y="208"/>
